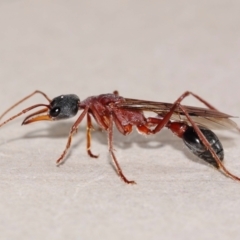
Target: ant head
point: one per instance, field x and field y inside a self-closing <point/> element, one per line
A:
<point x="64" y="106"/>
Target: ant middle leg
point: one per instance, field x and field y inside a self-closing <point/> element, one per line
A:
<point x="110" y="144"/>
<point x="89" y="128"/>
<point x="73" y="130"/>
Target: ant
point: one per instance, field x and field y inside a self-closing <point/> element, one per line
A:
<point x="108" y="109"/>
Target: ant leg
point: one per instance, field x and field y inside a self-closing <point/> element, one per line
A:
<point x="89" y="128"/>
<point x="109" y="128"/>
<point x="110" y="143"/>
<point x="187" y="93"/>
<point x="22" y="100"/>
<point x="73" y="130"/>
<point x="144" y="129"/>
<point x="208" y="146"/>
<point x="164" y="121"/>
<point x="176" y="104"/>
<point x="161" y="123"/>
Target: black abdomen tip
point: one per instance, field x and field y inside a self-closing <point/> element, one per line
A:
<point x="192" y="141"/>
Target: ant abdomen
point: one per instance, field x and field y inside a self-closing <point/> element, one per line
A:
<point x="192" y="141"/>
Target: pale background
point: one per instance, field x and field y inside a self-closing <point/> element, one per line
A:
<point x="152" y="50"/>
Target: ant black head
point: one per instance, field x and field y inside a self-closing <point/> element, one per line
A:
<point x="64" y="106"/>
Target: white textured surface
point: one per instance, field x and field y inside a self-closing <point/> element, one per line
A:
<point x="147" y="50"/>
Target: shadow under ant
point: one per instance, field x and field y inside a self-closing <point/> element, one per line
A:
<point x="157" y="141"/>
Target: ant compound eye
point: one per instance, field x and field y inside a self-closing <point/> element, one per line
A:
<point x="54" y="112"/>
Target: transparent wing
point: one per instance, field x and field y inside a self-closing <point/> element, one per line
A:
<point x="209" y="122"/>
<point x="202" y="116"/>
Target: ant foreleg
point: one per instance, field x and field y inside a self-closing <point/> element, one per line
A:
<point x="73" y="130"/>
<point x="89" y="128"/>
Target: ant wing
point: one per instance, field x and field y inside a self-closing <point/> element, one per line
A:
<point x="202" y="116"/>
<point x="209" y="122"/>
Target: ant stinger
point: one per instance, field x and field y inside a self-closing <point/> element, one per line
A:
<point x="188" y="123"/>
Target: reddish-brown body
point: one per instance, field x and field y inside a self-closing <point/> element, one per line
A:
<point x="125" y="113"/>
